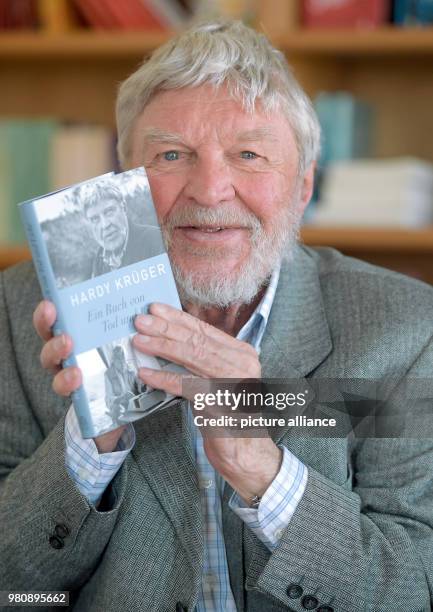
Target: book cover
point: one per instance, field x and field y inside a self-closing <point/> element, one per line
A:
<point x="99" y="256"/>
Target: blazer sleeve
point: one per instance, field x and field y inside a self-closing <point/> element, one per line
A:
<point x="51" y="537"/>
<point x="366" y="546"/>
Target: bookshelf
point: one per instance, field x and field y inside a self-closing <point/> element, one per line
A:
<point x="75" y="76"/>
<point x="389" y="41"/>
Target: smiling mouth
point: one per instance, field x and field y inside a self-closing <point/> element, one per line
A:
<point x="210" y="228"/>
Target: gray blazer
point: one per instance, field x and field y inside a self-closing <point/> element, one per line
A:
<point x="361" y="538"/>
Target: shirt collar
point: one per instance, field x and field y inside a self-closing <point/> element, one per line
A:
<point x="253" y="330"/>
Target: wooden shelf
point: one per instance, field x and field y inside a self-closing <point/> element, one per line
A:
<point x="384" y="41"/>
<point x="371" y="239"/>
<point x="92" y="44"/>
<point x="80" y="44"/>
<point x="12" y="254"/>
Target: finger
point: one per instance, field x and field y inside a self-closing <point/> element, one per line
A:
<point x="67" y="381"/>
<point x="201" y="341"/>
<point x="171" y="382"/>
<point x="55" y="351"/>
<point x="44" y="317"/>
<point x="205" y="359"/>
<point x="184" y="319"/>
<point x="152" y="325"/>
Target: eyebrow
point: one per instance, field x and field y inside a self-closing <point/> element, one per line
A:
<point x="262" y="133"/>
<point x="156" y="135"/>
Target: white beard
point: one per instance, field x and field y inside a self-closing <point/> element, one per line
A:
<point x="216" y="287"/>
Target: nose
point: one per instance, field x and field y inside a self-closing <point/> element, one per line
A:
<point x="210" y="181"/>
<point x="105" y="221"/>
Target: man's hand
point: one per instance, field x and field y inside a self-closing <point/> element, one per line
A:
<point x="248" y="464"/>
<point x="66" y="380"/>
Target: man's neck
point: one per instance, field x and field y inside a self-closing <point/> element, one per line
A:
<point x="230" y="319"/>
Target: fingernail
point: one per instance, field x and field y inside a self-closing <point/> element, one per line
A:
<point x="158" y="307"/>
<point x="60" y="342"/>
<point x="141" y="339"/>
<point x="145" y="320"/>
<point x="69" y="376"/>
<point x="145" y="371"/>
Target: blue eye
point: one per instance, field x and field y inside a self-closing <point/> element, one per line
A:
<point x="248" y="155"/>
<point x="171" y="155"/>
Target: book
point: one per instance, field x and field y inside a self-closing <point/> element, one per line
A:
<point x="345" y="13"/>
<point x="171" y="14"/>
<point x="377" y="192"/>
<point x="94" y="13"/>
<point x="347" y="126"/>
<point x="79" y="152"/>
<point x="25" y="148"/>
<point x="18" y="14"/>
<point x="100" y="258"/>
<point x="133" y="15"/>
<point x="56" y="16"/>
<point x="413" y="12"/>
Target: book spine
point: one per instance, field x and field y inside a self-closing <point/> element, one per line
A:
<point x="47" y="281"/>
<point x="56" y="16"/>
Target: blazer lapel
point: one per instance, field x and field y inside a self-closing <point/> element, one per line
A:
<point x="297" y="338"/>
<point x="164" y="454"/>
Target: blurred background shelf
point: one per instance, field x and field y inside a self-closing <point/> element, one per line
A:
<point x="33" y="46"/>
<point x="12" y="254"/>
<point x="385" y="41"/>
<point x="367" y="239"/>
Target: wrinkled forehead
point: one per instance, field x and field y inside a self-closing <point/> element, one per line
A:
<point x="206" y="111"/>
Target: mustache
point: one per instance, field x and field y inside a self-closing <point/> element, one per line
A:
<point x="193" y="215"/>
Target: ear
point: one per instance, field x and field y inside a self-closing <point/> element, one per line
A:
<point x="306" y="187"/>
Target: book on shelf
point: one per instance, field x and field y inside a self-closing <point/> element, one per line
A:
<point x="347" y="133"/>
<point x="25" y="150"/>
<point x="95" y="14"/>
<point x="57" y="16"/>
<point x="347" y="126"/>
<point x="345" y="13"/>
<point x="79" y="152"/>
<point x="18" y="14"/>
<point x="152" y="15"/>
<point x="413" y="12"/>
<point x="100" y="258"/>
<point x="41" y="155"/>
<point x="396" y="192"/>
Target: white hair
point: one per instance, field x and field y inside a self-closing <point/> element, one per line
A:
<point x="221" y="52"/>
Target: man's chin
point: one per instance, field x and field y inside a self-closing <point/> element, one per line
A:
<point x="219" y="289"/>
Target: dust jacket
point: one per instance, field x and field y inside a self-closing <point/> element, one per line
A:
<point x="100" y="258"/>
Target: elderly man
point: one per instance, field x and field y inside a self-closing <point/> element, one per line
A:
<point x="161" y="516"/>
<point x="121" y="242"/>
